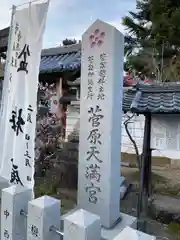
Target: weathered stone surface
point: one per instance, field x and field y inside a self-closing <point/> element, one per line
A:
<point x="132" y="234"/>
<point x="165" y="209"/>
<point x="43" y="216"/>
<point x="82" y="225"/>
<point x="100" y="195"/>
<point x="14" y="200"/>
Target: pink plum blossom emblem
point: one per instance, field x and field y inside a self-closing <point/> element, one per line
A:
<point x="97" y="38"/>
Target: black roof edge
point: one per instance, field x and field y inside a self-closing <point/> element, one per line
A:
<point x="61" y="50"/>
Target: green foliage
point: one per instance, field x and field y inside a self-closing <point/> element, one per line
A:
<point x="140" y="62"/>
<point x="165" y="16"/>
<point x="174" y="227"/>
<point x="153" y="37"/>
<point x="51" y="190"/>
<point x="44" y="189"/>
<point x="135" y="24"/>
<point x="67" y="42"/>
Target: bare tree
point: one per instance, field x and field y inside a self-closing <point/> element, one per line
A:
<point x="129" y="118"/>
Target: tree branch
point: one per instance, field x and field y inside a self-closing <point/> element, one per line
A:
<point x="131" y="138"/>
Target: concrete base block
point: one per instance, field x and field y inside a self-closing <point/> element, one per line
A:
<point x="109" y="234"/>
<point x="65" y="216"/>
<point x="127" y="220"/>
<point x="82" y="225"/>
<point x="132" y="234"/>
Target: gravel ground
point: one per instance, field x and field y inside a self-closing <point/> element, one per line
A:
<point x="166" y="181"/>
<point x="129" y="205"/>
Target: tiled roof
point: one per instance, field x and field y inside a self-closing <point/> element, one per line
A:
<point x="60" y="59"/>
<point x="128" y="97"/>
<point x="61" y="50"/>
<point x="156" y="98"/>
<point x="147" y="98"/>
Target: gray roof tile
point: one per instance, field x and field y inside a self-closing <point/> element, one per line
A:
<point x="148" y="98"/>
<point x="59" y="63"/>
<point x="128" y="97"/>
<point x="61" y="50"/>
<point x="157" y="98"/>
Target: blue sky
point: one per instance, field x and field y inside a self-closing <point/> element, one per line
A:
<point x="70" y="18"/>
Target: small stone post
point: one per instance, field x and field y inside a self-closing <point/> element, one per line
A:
<point x="4" y="183"/>
<point x="82" y="225"/>
<point x="14" y="200"/>
<point x="43" y="219"/>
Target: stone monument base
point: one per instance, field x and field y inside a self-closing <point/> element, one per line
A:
<point x="130" y="233"/>
<point x="126" y="220"/>
<point x="110" y="234"/>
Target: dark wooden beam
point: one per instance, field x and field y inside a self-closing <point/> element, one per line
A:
<point x="147" y="155"/>
<point x="145" y="175"/>
<point x="66" y="75"/>
<point x="4" y="34"/>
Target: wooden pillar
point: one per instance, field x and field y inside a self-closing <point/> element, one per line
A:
<point x="60" y="87"/>
<point x="145" y="174"/>
<point x="147" y="156"/>
<point x="61" y="109"/>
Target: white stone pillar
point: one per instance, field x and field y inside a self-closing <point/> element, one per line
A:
<point x="4" y="183"/>
<point x="43" y="215"/>
<point x="102" y="63"/>
<point x="13" y="224"/>
<point x="82" y="225"/>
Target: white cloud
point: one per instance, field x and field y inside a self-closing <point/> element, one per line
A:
<point x="117" y="24"/>
<point x="6" y="6"/>
<point x="5" y="12"/>
<point x="57" y="28"/>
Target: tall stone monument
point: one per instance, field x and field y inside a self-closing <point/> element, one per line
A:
<point x="100" y="122"/>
